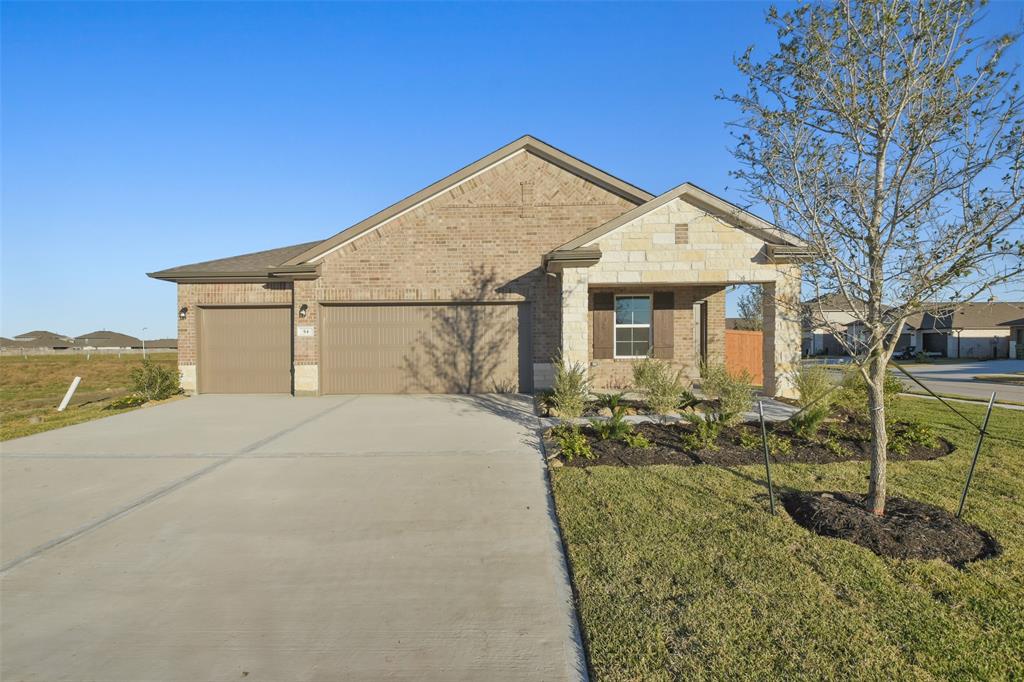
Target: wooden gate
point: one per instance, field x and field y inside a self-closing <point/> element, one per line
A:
<point x="744" y="351"/>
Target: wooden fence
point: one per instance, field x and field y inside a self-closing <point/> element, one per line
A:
<point x="744" y="351"/>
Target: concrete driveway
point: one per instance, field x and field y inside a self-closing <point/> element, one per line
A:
<point x="958" y="379"/>
<point x="274" y="538"/>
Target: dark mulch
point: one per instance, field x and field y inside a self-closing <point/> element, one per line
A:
<point x="908" y="530"/>
<point x="850" y="444"/>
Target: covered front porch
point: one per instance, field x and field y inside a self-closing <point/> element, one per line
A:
<point x="652" y="284"/>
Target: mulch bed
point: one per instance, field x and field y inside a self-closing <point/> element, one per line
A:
<point x="908" y="530"/>
<point x="667" y="447"/>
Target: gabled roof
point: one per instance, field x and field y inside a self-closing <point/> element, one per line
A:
<point x="259" y="264"/>
<point x="525" y="143"/>
<point x="293" y="262"/>
<point x="42" y="339"/>
<point x="39" y="334"/>
<point x="830" y="303"/>
<point x="973" y="316"/>
<point x="703" y="199"/>
<point x="105" y="337"/>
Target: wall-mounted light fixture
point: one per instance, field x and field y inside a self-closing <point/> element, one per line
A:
<point x="303" y="309"/>
<point x="182" y="313"/>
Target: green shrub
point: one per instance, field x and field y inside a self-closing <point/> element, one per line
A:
<point x="748" y="439"/>
<point x="705" y="432"/>
<point x="571" y="388"/>
<point x="125" y="402"/>
<point x="908" y="433"/>
<point x="662" y="387"/>
<point x="572" y="442"/>
<point x="610" y="400"/>
<point x="816" y="395"/>
<point x="153" y="381"/>
<point x="779" y="445"/>
<point x="734" y="394"/>
<point x="635" y="439"/>
<point x="853" y="393"/>
<point x="613" y="428"/>
<point x="831" y="444"/>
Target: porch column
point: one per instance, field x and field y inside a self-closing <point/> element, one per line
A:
<point x="782" y="334"/>
<point x="575" y="331"/>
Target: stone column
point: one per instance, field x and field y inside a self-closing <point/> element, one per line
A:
<point x="575" y="332"/>
<point x="782" y="334"/>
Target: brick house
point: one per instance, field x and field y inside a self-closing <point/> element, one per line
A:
<point x="476" y="282"/>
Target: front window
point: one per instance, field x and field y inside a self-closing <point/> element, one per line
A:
<point x="632" y="326"/>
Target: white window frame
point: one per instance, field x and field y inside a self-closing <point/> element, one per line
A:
<point x="615" y="331"/>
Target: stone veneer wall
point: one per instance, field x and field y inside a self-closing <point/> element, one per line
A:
<point x="617" y="374"/>
<point x="681" y="244"/>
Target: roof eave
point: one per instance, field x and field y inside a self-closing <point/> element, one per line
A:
<point x="556" y="261"/>
<point x="281" y="273"/>
<point x="785" y="255"/>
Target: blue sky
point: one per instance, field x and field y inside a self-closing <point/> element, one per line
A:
<point x="140" y="136"/>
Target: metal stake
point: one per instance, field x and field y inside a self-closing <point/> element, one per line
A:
<point x="767" y="465"/>
<point x="977" y="451"/>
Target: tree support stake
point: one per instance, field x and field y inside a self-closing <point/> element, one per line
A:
<point x="767" y="463"/>
<point x="977" y="451"/>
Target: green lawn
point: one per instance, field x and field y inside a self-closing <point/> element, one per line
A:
<point x="683" y="574"/>
<point x="32" y="387"/>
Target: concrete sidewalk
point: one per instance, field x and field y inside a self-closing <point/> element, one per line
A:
<point x="272" y="538"/>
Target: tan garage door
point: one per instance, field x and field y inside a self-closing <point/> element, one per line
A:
<point x="245" y="350"/>
<point x="452" y="348"/>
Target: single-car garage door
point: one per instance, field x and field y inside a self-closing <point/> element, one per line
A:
<point x="447" y="348"/>
<point x="245" y="350"/>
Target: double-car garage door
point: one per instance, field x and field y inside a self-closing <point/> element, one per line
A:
<point x="442" y="348"/>
<point x="437" y="348"/>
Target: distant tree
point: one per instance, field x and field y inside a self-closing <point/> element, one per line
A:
<point x="750" y="308"/>
<point x="890" y="137"/>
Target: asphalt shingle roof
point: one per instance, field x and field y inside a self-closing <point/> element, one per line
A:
<point x="247" y="262"/>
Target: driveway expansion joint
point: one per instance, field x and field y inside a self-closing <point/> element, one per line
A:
<point x="160" y="492"/>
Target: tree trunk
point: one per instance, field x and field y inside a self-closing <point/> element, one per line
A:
<point x="879" y="436"/>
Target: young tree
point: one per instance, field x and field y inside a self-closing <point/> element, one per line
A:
<point x="889" y="137"/>
<point x="750" y="307"/>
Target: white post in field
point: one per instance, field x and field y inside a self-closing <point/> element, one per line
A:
<point x="144" y="342"/>
<point x="71" y="392"/>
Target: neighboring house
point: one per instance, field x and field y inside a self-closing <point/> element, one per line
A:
<point x="41" y="339"/>
<point x="106" y="340"/>
<point x="825" y="321"/>
<point x="969" y="330"/>
<point x="476" y="282"/>
<point x="966" y="330"/>
<point x="1016" y="338"/>
<point x="161" y="344"/>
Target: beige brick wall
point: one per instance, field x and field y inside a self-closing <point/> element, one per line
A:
<point x="498" y="225"/>
<point x="194" y="296"/>
<point x="617" y="374"/>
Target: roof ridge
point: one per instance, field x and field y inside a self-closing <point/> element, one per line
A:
<point x="527" y="142"/>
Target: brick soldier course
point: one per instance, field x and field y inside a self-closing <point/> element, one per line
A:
<point x="526" y="225"/>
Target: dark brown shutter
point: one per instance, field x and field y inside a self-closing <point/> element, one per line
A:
<point x="663" y="329"/>
<point x="604" y="325"/>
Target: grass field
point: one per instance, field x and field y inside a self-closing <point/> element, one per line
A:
<point x="31" y="388"/>
<point x="683" y="574"/>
